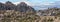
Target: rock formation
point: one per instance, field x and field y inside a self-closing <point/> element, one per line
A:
<point x="22" y="7"/>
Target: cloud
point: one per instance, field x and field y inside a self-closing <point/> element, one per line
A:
<point x="2" y="2"/>
<point x="16" y="3"/>
<point x="28" y="3"/>
<point x="57" y="0"/>
<point x="35" y="2"/>
<point x="47" y="3"/>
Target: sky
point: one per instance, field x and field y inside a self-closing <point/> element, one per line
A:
<point x="33" y="2"/>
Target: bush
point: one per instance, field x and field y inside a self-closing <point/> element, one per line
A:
<point x="15" y="16"/>
<point x="47" y="20"/>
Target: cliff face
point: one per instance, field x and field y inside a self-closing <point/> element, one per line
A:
<point x="22" y="7"/>
<point x="10" y="6"/>
<point x="2" y="6"/>
<point x="7" y="6"/>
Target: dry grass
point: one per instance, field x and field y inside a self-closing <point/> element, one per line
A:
<point x="16" y="16"/>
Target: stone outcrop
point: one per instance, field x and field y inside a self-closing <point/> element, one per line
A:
<point x="22" y="7"/>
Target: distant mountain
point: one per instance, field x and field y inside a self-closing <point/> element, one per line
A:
<point x="10" y="6"/>
<point x="55" y="4"/>
<point x="2" y="6"/>
<point x="49" y="12"/>
<point x="22" y="7"/>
